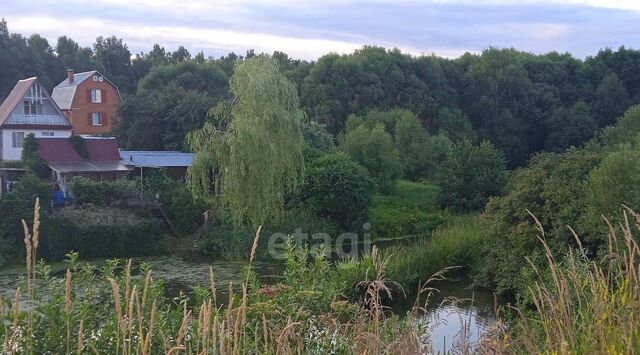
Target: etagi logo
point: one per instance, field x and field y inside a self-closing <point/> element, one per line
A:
<point x="343" y="246"/>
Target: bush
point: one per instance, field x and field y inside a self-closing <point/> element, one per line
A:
<point x="470" y="175"/>
<point x="374" y="149"/>
<point x="103" y="193"/>
<point x="338" y="189"/>
<point x="183" y="209"/>
<point x="235" y="242"/>
<point x="17" y="205"/>
<point x="62" y="235"/>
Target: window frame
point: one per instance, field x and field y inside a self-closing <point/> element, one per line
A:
<point x="99" y="117"/>
<point x="33" y="107"/>
<point x="14" y="139"/>
<point x="96" y="96"/>
<point x="47" y="134"/>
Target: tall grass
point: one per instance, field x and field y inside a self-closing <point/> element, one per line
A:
<point x="456" y="243"/>
<point x="111" y="311"/>
<point x="582" y="306"/>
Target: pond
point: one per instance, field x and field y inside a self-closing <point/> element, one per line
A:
<point x="448" y="323"/>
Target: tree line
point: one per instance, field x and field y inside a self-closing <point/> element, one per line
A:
<point x="522" y="103"/>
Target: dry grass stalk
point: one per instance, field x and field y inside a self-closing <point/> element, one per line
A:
<point x="80" y="338"/>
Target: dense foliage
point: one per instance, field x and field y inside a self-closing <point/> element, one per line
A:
<point x="575" y="188"/>
<point x="258" y="152"/>
<point x="522" y="103"/>
<point x="337" y="188"/>
<point x="374" y="149"/>
<point x="470" y="175"/>
<point x="104" y="193"/>
<point x="31" y="157"/>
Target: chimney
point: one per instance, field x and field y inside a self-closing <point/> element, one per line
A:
<point x="70" y="75"/>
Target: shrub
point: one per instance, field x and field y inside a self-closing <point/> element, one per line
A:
<point x="63" y="235"/>
<point x="103" y="193"/>
<point x="470" y="175"/>
<point x="31" y="158"/>
<point x="584" y="306"/>
<point x="338" y="189"/>
<point x="374" y="149"/>
<point x="16" y="205"/>
<point x="183" y="209"/>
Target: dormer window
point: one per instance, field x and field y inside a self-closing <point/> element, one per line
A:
<point x="96" y="96"/>
<point x="30" y="107"/>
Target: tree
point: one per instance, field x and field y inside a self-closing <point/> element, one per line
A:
<point x="337" y="188"/>
<point x="374" y="149"/>
<point x="317" y="140"/>
<point x="172" y="100"/>
<point x="470" y="175"/>
<point x="611" y="100"/>
<point x="31" y="158"/>
<point x="113" y="59"/>
<point x="453" y="123"/>
<point x="255" y="148"/>
<point x="569" y="127"/>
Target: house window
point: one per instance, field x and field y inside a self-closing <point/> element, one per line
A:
<point x="16" y="139"/>
<point x="96" y="96"/>
<point x="95" y="78"/>
<point x="96" y="119"/>
<point x="46" y="134"/>
<point x="30" y="107"/>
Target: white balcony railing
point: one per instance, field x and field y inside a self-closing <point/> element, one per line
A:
<point x="37" y="119"/>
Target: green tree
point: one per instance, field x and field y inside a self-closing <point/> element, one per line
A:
<point x="570" y="126"/>
<point x="374" y="149"/>
<point x="470" y="175"/>
<point x="338" y="189"/>
<point x="611" y="100"/>
<point x="172" y="100"/>
<point x="113" y="59"/>
<point x="453" y="123"/>
<point x="31" y="158"/>
<point x="257" y="152"/>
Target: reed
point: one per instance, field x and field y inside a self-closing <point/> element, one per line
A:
<point x="306" y="313"/>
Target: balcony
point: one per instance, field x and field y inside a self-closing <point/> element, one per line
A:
<point x="37" y="120"/>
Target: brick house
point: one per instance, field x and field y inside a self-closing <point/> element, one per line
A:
<point x="89" y="100"/>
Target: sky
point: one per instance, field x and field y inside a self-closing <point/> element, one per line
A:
<point x="310" y="29"/>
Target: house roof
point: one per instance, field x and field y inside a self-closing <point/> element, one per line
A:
<point x="15" y="97"/>
<point x="64" y="92"/>
<point x="60" y="150"/>
<point x="156" y="158"/>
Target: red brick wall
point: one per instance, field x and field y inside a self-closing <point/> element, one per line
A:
<point x="82" y="107"/>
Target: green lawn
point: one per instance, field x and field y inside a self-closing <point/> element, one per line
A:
<point x="411" y="210"/>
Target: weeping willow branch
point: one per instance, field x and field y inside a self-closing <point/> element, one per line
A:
<point x="254" y="145"/>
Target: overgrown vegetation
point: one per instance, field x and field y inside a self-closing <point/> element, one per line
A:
<point x="302" y="314"/>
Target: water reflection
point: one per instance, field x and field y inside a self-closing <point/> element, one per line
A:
<point x="456" y="317"/>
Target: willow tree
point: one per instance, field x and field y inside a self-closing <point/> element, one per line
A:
<point x="249" y="155"/>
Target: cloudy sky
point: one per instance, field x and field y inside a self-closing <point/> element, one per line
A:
<point x="309" y="29"/>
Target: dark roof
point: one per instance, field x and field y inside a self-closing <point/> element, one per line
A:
<point x="60" y="150"/>
<point x="15" y="97"/>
